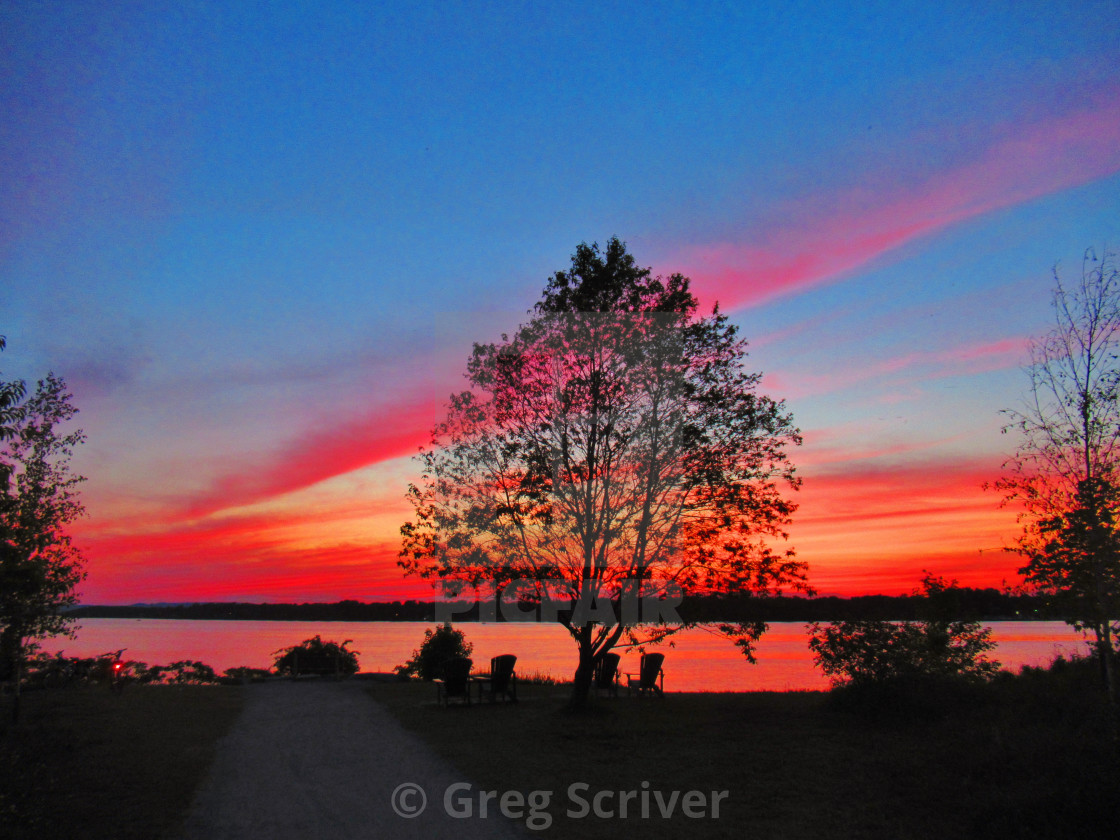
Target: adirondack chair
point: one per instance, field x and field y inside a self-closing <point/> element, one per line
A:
<point x="651" y="679"/>
<point x="456" y="681"/>
<point x="606" y="674"/>
<point x="502" y="680"/>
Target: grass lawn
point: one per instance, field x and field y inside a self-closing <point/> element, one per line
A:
<point x="83" y="762"/>
<point x="1010" y="763"/>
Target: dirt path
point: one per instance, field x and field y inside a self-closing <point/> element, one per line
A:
<point x="311" y="760"/>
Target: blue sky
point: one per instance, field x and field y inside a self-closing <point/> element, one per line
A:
<point x="259" y="239"/>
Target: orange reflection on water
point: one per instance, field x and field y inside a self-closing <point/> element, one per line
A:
<point x="698" y="661"/>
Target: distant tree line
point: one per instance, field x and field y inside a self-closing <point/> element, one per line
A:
<point x="970" y="604"/>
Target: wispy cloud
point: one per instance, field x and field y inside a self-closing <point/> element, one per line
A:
<point x="935" y="364"/>
<point x="841" y="232"/>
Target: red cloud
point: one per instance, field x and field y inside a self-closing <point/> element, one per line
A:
<point x="875" y="529"/>
<point x="250" y="558"/>
<point x="1042" y="158"/>
<point x="861" y="529"/>
<point x="381" y="434"/>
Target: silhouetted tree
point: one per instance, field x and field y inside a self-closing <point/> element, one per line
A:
<point x="615" y="447"/>
<point x="1065" y="471"/>
<point x="39" y="565"/>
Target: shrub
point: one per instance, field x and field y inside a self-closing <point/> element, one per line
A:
<point x="314" y="656"/>
<point x="879" y="651"/>
<point x="244" y="673"/>
<point x="184" y="672"/>
<point x="439" y="645"/>
<point x="866" y="651"/>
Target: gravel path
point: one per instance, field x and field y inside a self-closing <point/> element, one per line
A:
<point x="310" y="760"/>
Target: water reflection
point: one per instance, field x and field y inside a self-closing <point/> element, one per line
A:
<point x="698" y="660"/>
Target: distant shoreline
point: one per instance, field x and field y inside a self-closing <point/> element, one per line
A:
<point x="971" y="604"/>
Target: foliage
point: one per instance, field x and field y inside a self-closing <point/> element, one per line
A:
<point x="879" y="651"/>
<point x="244" y="673"/>
<point x="39" y="565"/>
<point x="184" y="672"/>
<point x="439" y="645"/>
<point x="11" y="399"/>
<point x="614" y="447"/>
<point x="314" y="656"/>
<point x="1075" y="556"/>
<point x="1064" y="474"/>
<point x="867" y="651"/>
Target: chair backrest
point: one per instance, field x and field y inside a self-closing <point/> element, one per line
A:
<point x="456" y="675"/>
<point x="607" y="670"/>
<point x="501" y="670"/>
<point x="651" y="668"/>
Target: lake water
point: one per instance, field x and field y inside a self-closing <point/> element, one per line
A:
<point x="699" y="661"/>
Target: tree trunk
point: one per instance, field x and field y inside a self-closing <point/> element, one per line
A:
<point x="1107" y="663"/>
<point x="11" y="657"/>
<point x="585" y="673"/>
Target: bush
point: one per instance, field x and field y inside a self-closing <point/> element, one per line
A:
<point x="184" y="672"/>
<point x="439" y="645"/>
<point x="879" y="651"/>
<point x="861" y="652"/>
<point x="243" y="674"/>
<point x="314" y="656"/>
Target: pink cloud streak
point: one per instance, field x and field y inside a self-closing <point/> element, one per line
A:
<point x="957" y="361"/>
<point x="1040" y="159"/>
<point x="379" y="434"/>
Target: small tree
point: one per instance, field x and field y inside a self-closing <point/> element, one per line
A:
<point x="439" y="645"/>
<point x="39" y="565"/>
<point x="865" y="651"/>
<point x="1065" y="472"/>
<point x="314" y="656"/>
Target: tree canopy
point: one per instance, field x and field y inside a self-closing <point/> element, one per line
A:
<point x="39" y="565"/>
<point x="615" y="446"/>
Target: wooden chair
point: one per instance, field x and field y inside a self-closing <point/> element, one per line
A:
<point x="502" y="680"/>
<point x="606" y="674"/>
<point x="651" y="679"/>
<point x="456" y="682"/>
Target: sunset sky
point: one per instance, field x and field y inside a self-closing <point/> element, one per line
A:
<point x="259" y="239"/>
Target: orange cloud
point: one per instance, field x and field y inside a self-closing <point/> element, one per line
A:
<point x="875" y="528"/>
<point x="271" y="557"/>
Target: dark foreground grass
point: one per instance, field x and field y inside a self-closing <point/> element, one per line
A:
<point x="1018" y="760"/>
<point x="83" y="762"/>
